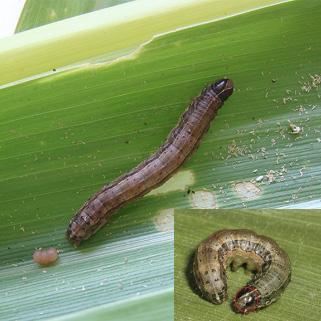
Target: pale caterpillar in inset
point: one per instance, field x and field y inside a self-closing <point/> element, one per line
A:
<point x="260" y="254"/>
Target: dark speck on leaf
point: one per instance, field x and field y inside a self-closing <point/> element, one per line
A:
<point x="274" y="80"/>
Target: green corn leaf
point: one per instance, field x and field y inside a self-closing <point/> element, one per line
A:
<point x="74" y="117"/>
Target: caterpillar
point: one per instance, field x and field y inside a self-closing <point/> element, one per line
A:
<point x="45" y="257"/>
<point x="260" y="254"/>
<point x="154" y="171"/>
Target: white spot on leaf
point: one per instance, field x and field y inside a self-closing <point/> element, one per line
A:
<point x="179" y="182"/>
<point x="203" y="199"/>
<point x="247" y="191"/>
<point x="164" y="221"/>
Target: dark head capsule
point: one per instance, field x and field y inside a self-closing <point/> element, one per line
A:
<point x="246" y="300"/>
<point x="223" y="88"/>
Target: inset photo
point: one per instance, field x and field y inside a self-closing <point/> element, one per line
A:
<point x="242" y="264"/>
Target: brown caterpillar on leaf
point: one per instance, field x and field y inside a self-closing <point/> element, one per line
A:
<point x="158" y="168"/>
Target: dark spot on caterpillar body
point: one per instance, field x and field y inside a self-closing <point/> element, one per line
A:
<point x="45" y="257"/>
<point x="259" y="254"/>
<point x="180" y="144"/>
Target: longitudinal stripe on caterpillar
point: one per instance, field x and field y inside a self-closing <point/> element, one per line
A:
<point x="261" y="255"/>
<point x="158" y="168"/>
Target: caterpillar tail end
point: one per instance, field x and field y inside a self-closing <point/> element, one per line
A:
<point x="71" y="237"/>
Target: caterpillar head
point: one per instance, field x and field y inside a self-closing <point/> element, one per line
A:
<point x="246" y="300"/>
<point x="223" y="88"/>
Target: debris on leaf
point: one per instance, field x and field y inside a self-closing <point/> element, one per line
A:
<point x="295" y="129"/>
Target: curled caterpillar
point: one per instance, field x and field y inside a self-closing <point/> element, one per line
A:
<point x="45" y="256"/>
<point x="158" y="168"/>
<point x="259" y="254"/>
